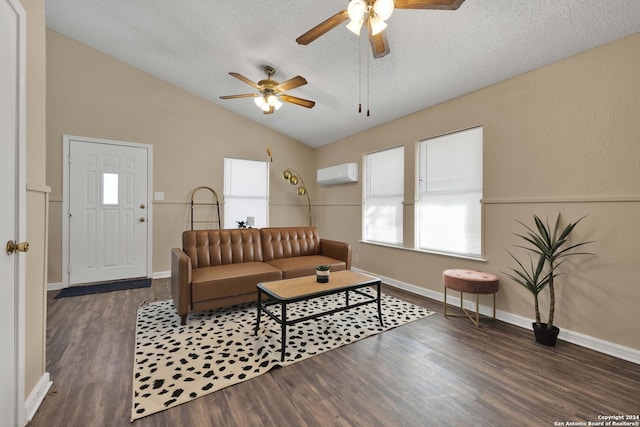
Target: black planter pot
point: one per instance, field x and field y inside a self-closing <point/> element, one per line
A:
<point x="545" y="336"/>
<point x="322" y="277"/>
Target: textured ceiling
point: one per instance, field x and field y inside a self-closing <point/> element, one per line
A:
<point x="435" y="55"/>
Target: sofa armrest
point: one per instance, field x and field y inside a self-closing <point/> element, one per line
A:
<point x="337" y="250"/>
<point x="181" y="281"/>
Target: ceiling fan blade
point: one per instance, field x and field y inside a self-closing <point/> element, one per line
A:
<point x="292" y="83"/>
<point x="244" y="95"/>
<point x="323" y="28"/>
<point x="428" y="4"/>
<point x="379" y="43"/>
<point x="246" y="80"/>
<point x="298" y="101"/>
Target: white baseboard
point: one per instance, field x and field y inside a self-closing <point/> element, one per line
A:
<point x="37" y="395"/>
<point x="602" y="346"/>
<point x="55" y="286"/>
<point x="161" y="274"/>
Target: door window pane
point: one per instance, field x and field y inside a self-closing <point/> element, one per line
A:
<point x="109" y="188"/>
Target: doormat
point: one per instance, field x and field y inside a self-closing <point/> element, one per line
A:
<point x="117" y="285"/>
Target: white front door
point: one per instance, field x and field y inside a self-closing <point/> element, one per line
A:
<point x="12" y="214"/>
<point x="108" y="211"/>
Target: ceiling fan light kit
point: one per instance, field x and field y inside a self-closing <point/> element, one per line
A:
<point x="265" y="103"/>
<point x="374" y="13"/>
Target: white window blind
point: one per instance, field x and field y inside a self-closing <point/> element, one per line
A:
<point x="384" y="193"/>
<point x="246" y="192"/>
<point x="449" y="193"/>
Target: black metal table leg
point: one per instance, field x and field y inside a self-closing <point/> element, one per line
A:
<point x="283" y="324"/>
<point x="380" y="306"/>
<point x="259" y="310"/>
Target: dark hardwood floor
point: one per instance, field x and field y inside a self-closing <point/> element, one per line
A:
<point x="432" y="372"/>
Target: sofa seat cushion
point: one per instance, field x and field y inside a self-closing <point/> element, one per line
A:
<point x="227" y="280"/>
<point x="298" y="266"/>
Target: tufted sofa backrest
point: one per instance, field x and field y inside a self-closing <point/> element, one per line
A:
<point x="286" y="242"/>
<point x="207" y="248"/>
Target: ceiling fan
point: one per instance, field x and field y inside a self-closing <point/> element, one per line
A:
<point x="373" y="13"/>
<point x="270" y="91"/>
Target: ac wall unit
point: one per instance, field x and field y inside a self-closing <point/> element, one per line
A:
<point x="339" y="174"/>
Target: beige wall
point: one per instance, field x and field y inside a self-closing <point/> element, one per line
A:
<point x="564" y="138"/>
<point x="37" y="198"/>
<point x="93" y="95"/>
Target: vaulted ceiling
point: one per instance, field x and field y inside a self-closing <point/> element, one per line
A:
<point x="436" y="55"/>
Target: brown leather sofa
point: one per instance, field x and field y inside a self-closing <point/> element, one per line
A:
<point x="219" y="268"/>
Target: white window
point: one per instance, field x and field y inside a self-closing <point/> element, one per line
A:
<point x="448" y="212"/>
<point x="246" y="192"/>
<point x="383" y="196"/>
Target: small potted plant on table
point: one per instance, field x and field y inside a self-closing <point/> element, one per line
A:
<point x="322" y="273"/>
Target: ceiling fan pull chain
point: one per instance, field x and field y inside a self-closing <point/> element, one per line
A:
<point x="359" y="75"/>
<point x="368" y="86"/>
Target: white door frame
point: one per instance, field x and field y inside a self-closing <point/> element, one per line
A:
<point x="17" y="418"/>
<point x="65" y="197"/>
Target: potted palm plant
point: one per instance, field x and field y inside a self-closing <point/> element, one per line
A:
<point x="550" y="247"/>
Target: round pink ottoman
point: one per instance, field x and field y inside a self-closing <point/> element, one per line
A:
<point x="470" y="282"/>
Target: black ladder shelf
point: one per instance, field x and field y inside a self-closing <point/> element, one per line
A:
<point x="213" y="203"/>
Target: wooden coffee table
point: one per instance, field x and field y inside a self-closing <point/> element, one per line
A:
<point x="287" y="291"/>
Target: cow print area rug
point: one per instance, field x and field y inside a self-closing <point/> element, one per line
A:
<point x="174" y="364"/>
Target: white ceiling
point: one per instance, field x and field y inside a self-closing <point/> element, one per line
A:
<point x="435" y="55"/>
